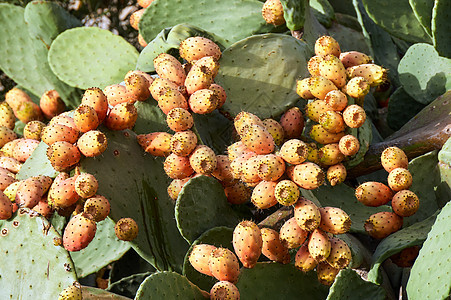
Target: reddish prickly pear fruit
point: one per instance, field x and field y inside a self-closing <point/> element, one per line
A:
<point x="136" y="17"/>
<point x="15" y="96"/>
<point x="392" y="158"/>
<point x="319" y="86"/>
<point x="63" y="120"/>
<point x="98" y="207"/>
<point x="336" y="174"/>
<point x="332" y="121"/>
<point x="315" y="108"/>
<point x="155" y="143"/>
<point x="322" y="136"/>
<point x="263" y="194"/>
<point x="334" y="220"/>
<point x="29" y="193"/>
<point x="237" y="192"/>
<point x="354" y="58"/>
<point x="349" y="145"/>
<point x="326" y="273"/>
<point x="85" y="118"/>
<point x="224" y="265"/>
<point x="332" y="68"/>
<point x="236" y="166"/>
<point x="294" y="151"/>
<point x="275" y="129"/>
<point x="179" y="119"/>
<point x="170" y="69"/>
<point x="208" y="62"/>
<point x="92" y="143"/>
<point x="330" y="154"/>
<point x="28" y="111"/>
<point x="43" y="208"/>
<point x="327" y="45"/>
<point x="405" y="203"/>
<point x="220" y="93"/>
<point x="236" y="150"/>
<point x="382" y="224"/>
<point x="86" y="185"/>
<point x="373" y="193"/>
<point x="163" y="58"/>
<point x="406" y="257"/>
<point x="56" y="132"/>
<point x="199" y="257"/>
<point x="172" y="99"/>
<point x="24" y="148"/>
<point x="7" y="117"/>
<point x="33" y="130"/>
<point x="292" y="122"/>
<point x="354" y="116"/>
<point x="319" y="245"/>
<point x="203" y="101"/>
<point x="6" y="207"/>
<point x="286" y="192"/>
<point x="51" y="104"/>
<point x="63" y="155"/>
<point x="117" y="93"/>
<point x="313" y="65"/>
<point x="62" y="193"/>
<point x="249" y="171"/>
<point x="308" y="175"/>
<point x="224" y="290"/>
<point x="291" y="235"/>
<point x="247" y="242"/>
<point x="273" y="248"/>
<point x="307" y="214"/>
<point x="149" y="78"/>
<point x="6" y="179"/>
<point x="45" y="181"/>
<point x="258" y="140"/>
<point x="203" y="160"/>
<point x="183" y="142"/>
<point x="122" y="116"/>
<point x="6" y="135"/>
<point x="270" y="167"/>
<point x="175" y="187"/>
<point x="160" y="86"/>
<point x="95" y="98"/>
<point x="399" y="179"/>
<point x="303" y="260"/>
<point x="138" y="85"/>
<point x="374" y="74"/>
<point x="340" y="254"/>
<point x="244" y="121"/>
<point x="302" y="89"/>
<point x="222" y="171"/>
<point x="79" y="232"/>
<point x="126" y="229"/>
<point x="11" y="164"/>
<point x="198" y="79"/>
<point x="357" y="87"/>
<point x="272" y="12"/>
<point x="194" y="48"/>
<point x="336" y="100"/>
<point x="177" y="167"/>
<point x="72" y="292"/>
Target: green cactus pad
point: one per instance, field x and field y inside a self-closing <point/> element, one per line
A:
<point x="429" y="277"/>
<point x="348" y="38"/>
<point x="128" y="265"/>
<point x="135" y="185"/>
<point x="364" y="134"/>
<point x="128" y="286"/>
<point x="150" y="118"/>
<point x="313" y="29"/>
<point x="423" y="11"/>
<point x="83" y="57"/>
<point x="323" y="11"/>
<point x="444" y="164"/>
<point x="441" y="28"/>
<point x="399" y="20"/>
<point x="259" y="74"/>
<point x="202" y="205"/>
<point x="91" y="293"/>
<point x="407" y="237"/>
<point x="424" y="74"/>
<point x="168" y="285"/>
<point x="401" y="108"/>
<point x="294" y="13"/>
<point x="219" y="237"/>
<point x="103" y="249"/>
<point x="32" y="267"/>
<point x="270" y="280"/>
<point x="215" y="130"/>
<point x="233" y="20"/>
<point x="168" y="41"/>
<point x="37" y="164"/>
<point x="349" y="285"/>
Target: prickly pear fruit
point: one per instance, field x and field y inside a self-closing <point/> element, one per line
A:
<point x="224" y="290"/>
<point x="203" y="101"/>
<point x="270" y="167"/>
<point x="224" y="265"/>
<point x="236" y="150"/>
<point x="294" y="151"/>
<point x="63" y="155"/>
<point x="334" y="220"/>
<point x="336" y="174"/>
<point x="382" y="224"/>
<point x="177" y="167"/>
<point x="313" y="65"/>
<point x="354" y="58"/>
<point x="117" y="94"/>
<point x="57" y="132"/>
<point x="303" y="260"/>
<point x="155" y="143"/>
<point x="6" y="207"/>
<point x="292" y="122"/>
<point x="263" y="194"/>
<point x="322" y="136"/>
<point x="44" y="208"/>
<point x="374" y="74"/>
<point x="405" y="203"/>
<point x="51" y="104"/>
<point x="63" y="120"/>
<point x="316" y="108"/>
<point x="286" y="192"/>
<point x="62" y="193"/>
<point x="198" y="79"/>
<point x="399" y="179"/>
<point x="183" y="142"/>
<point x="28" y="111"/>
<point x="208" y="62"/>
<point x="122" y="116"/>
<point x="171" y="99"/>
<point x="98" y="207"/>
<point x="330" y="154"/>
<point x="394" y="157"/>
<point x="307" y="214"/>
<point x="354" y="116"/>
<point x="249" y="171"/>
<point x="92" y="143"/>
<point x="135" y="17"/>
<point x="373" y="193"/>
<point x="319" y="245"/>
<point x="275" y="129"/>
<point x="336" y="100"/>
<point x="222" y="171"/>
<point x="72" y="292"/>
<point x="85" y="118"/>
<point x="170" y="69"/>
<point x="126" y="229"/>
<point x="6" y="179"/>
<point x="79" y="232"/>
<point x="308" y="175"/>
<point x="332" y="121"/>
<point x="272" y="12"/>
<point x="194" y="48"/>
<point x="349" y="145"/>
<point x="247" y="242"/>
<point x="15" y="96"/>
<point x="291" y="235"/>
<point x="302" y="89"/>
<point x="220" y="93"/>
<point x="160" y="86"/>
<point x="326" y="273"/>
<point x="237" y="192"/>
<point x="86" y="185"/>
<point x="175" y="187"/>
<point x="327" y="45"/>
<point x="95" y="98"/>
<point x="6" y="135"/>
<point x="244" y="121"/>
<point x="357" y="87"/>
<point x="236" y="166"/>
<point x="258" y="140"/>
<point x="23" y="148"/>
<point x="203" y="160"/>
<point x="406" y="257"/>
<point x="332" y="68"/>
<point x="179" y="119"/>
<point x="7" y="117"/>
<point x="319" y="86"/>
<point x="33" y="130"/>
<point x="200" y="256"/>
<point x="29" y="193"/>
<point x="11" y="190"/>
<point x="11" y="164"/>
<point x="273" y="248"/>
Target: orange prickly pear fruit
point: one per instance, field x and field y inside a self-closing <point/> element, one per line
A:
<point x="275" y="129"/>
<point x="24" y="148"/>
<point x="170" y="69"/>
<point x="208" y="62"/>
<point x="244" y="121"/>
<point x="194" y="48"/>
<point x="399" y="179"/>
<point x="340" y="254"/>
<point x="373" y="193"/>
<point x="43" y="208"/>
<point x="72" y="292"/>
<point x="270" y="167"/>
<point x="15" y="96"/>
<point x="374" y="74"/>
<point x="357" y="87"/>
<point x="326" y="273"/>
<point x="249" y="171"/>
<point x="144" y="3"/>
<point x="33" y="130"/>
<point x="220" y="93"/>
<point x="319" y="245"/>
<point x="203" y="101"/>
<point x="177" y="167"/>
<point x="203" y="160"/>
<point x="85" y="118"/>
<point x="292" y="122"/>
<point x="382" y="224"/>
<point x="6" y="135"/>
<point x="155" y="143"/>
<point x="319" y="86"/>
<point x="332" y="68"/>
<point x="172" y="99"/>
<point x="29" y="193"/>
<point x="330" y="154"/>
<point x="258" y="140"/>
<point x="86" y="185"/>
<point x="308" y="175"/>
<point x="159" y="86"/>
<point x="236" y="166"/>
<point x="394" y="157"/>
<point x="199" y="257"/>
<point x="126" y="229"/>
<point x="63" y="120"/>
<point x="6" y="207"/>
<point x="198" y="79"/>
<point x="237" y="192"/>
<point x="79" y="232"/>
<point x="315" y="108"/>
<point x="92" y="143"/>
<point x="336" y="100"/>
<point x="332" y="121"/>
<point x="6" y="179"/>
<point x="149" y="78"/>
<point x="56" y="133"/>
<point x="336" y="174"/>
<point x="349" y="145"/>
<point x="95" y="98"/>
<point x="307" y="214"/>
<point x="354" y="58"/>
<point x="98" y="207"/>
<point x="63" y="155"/>
<point x="224" y="265"/>
<point x="62" y="193"/>
<point x="302" y="89"/>
<point x="138" y="85"/>
<point x="51" y="104"/>
<point x="286" y="192"/>
<point x="263" y="194"/>
<point x="327" y="45"/>
<point x="291" y="235"/>
<point x="272" y="12"/>
<point x="273" y="248"/>
<point x="175" y="187"/>
<point x="247" y="243"/>
<point x="354" y="116"/>
<point x="313" y="65"/>
<point x="294" y="151"/>
<point x="7" y="117"/>
<point x="122" y="116"/>
<point x="11" y="164"/>
<point x="334" y="220"/>
<point x="45" y="181"/>
<point x="406" y="257"/>
<point x="117" y="94"/>
<point x="224" y="290"/>
<point x="236" y="150"/>
<point x="163" y="58"/>
<point x="135" y="18"/>
<point x="405" y="203"/>
<point x="183" y="142"/>
<point x="179" y="119"/>
<point x="222" y="171"/>
<point x="322" y="136"/>
<point x="303" y="260"/>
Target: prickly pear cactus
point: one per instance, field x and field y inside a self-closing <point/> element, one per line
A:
<point x="349" y="285"/>
<point x="37" y="164"/>
<point x="444" y="163"/>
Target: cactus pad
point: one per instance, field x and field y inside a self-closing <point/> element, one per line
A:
<point x="401" y="108"/>
<point x="128" y="286"/>
<point x="349" y="285"/>
<point x="294" y="12"/>
<point x="423" y="11"/>
<point x="441" y="28"/>
<point x="364" y="134"/>
<point x="444" y="157"/>
<point x="215" y="130"/>
<point x="37" y="164"/>
<point x="323" y="11"/>
<point x="150" y="118"/>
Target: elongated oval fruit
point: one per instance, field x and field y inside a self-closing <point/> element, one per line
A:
<point x="307" y="214"/>
<point x="302" y="89"/>
<point x="171" y="99"/>
<point x="224" y="265"/>
<point x="319" y="86"/>
<point x="29" y="192"/>
<point x="117" y="94"/>
<point x="405" y="203"/>
<point x="122" y="116"/>
<point x="247" y="242"/>
<point x="319" y="245"/>
<point x="270" y="167"/>
<point x="382" y="224"/>
<point x="374" y="74"/>
<point x="156" y="143"/>
<point x="291" y="235"/>
<point x="322" y="136"/>
<point x="332" y="121"/>
<point x="354" y="58"/>
<point x="326" y="273"/>
<point x="223" y="172"/>
<point x="194" y="48"/>
<point x="85" y="118"/>
<point x="394" y="157"/>
<point x="336" y="100"/>
<point x="273" y="248"/>
<point x="308" y="175"/>
<point x="203" y="101"/>
<point x="336" y="174"/>
<point x="169" y="68"/>
<point x="63" y="155"/>
<point x="340" y="254"/>
<point x="263" y="194"/>
<point x="275" y="129"/>
<point x="57" y="132"/>
<point x="373" y="193"/>
<point x="332" y="68"/>
<point x="330" y="154"/>
<point x="357" y="87"/>
<point x="95" y="98"/>
<point x="325" y="45"/>
<point x="258" y="140"/>
<point x="79" y="232"/>
<point x="303" y="260"/>
<point x="177" y="167"/>
<point x="244" y="121"/>
<point x="6" y="207"/>
<point x="292" y="122"/>
<point x="294" y="151"/>
<point x="249" y="170"/>
<point x="334" y="220"/>
<point x="62" y="193"/>
<point x="199" y="256"/>
<point x="7" y="117"/>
